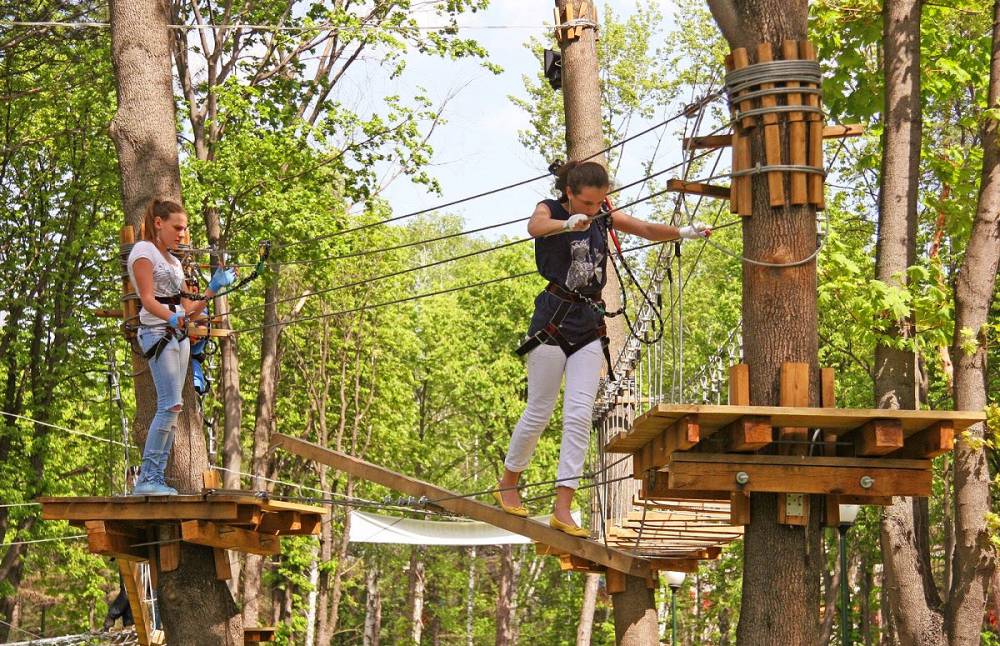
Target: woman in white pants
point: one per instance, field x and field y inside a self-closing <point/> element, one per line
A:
<point x="567" y="333"/>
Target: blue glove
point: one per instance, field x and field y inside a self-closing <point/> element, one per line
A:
<point x="176" y="319"/>
<point x="221" y="278"/>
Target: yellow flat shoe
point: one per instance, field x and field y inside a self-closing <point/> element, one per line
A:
<point x="518" y="510"/>
<point x="572" y="530"/>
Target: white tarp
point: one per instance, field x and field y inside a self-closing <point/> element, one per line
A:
<point x="375" y="528"/>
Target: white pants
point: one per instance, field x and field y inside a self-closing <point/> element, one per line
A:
<point x="546" y="365"/>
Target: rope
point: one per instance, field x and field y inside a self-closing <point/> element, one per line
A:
<point x="61" y="428"/>
<point x="365" y="281"/>
<point x="704" y="100"/>
<point x="449" y="236"/>
<point x="44" y="540"/>
<point x="275" y="28"/>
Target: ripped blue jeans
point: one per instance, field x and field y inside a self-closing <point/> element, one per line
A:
<point x="169" y="372"/>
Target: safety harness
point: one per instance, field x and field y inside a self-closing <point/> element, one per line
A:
<point x="553" y="332"/>
<point x="170" y="333"/>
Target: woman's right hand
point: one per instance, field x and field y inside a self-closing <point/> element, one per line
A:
<point x="577" y="222"/>
<point x="177" y="320"/>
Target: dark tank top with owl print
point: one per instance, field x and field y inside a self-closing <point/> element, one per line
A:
<point x="577" y="262"/>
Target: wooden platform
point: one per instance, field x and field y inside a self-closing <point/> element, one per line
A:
<point x="712" y="454"/>
<point x="238" y="509"/>
<point x="559" y="542"/>
<point x="137" y="529"/>
<point x="840" y="421"/>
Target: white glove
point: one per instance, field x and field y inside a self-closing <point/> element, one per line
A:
<point x="575" y="220"/>
<point x="695" y="230"/>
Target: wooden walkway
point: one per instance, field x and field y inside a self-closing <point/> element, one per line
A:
<point x="558" y="541"/>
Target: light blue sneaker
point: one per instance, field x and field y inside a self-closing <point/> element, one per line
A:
<point x="153" y="489"/>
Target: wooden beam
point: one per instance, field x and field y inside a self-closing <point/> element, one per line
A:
<point x="170" y="549"/>
<point x="831" y="511"/>
<point x="698" y="188"/>
<point x="223" y="566"/>
<point x="739" y="508"/>
<point x="465" y="506"/>
<point x="282" y="522"/>
<point x="258" y="634"/>
<point x="130" y="578"/>
<point x="115" y="540"/>
<point x="724" y="141"/>
<point x="660" y="490"/>
<point x="203" y="532"/>
<point x="614" y="581"/>
<point x="690" y="566"/>
<point x="799" y="474"/>
<point x="878" y="437"/>
<point x="772" y="135"/>
<point x="929" y="443"/>
<point x="748" y="434"/>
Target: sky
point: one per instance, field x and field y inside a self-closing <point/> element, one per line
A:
<point x="478" y="149"/>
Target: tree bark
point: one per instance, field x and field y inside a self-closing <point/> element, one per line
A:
<point x="416" y="592"/>
<point x="373" y="609"/>
<point x="975" y="560"/>
<point x="506" y="597"/>
<point x="196" y="607"/>
<point x="267" y="392"/>
<point x="585" y="629"/>
<point x="782" y="564"/>
<point x="635" y="611"/>
<point x="903" y="535"/>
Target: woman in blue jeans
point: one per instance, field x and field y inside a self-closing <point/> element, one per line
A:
<point x="158" y="278"/>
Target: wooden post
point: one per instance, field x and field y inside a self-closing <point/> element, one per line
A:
<point x="130" y="572"/>
<point x="741" y="146"/>
<point x="808" y="52"/>
<point x="772" y="138"/>
<point x="797" y="145"/>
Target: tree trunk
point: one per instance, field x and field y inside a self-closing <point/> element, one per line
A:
<point x="470" y="600"/>
<point x="416" y="592"/>
<point x="912" y="593"/>
<point x="267" y="392"/>
<point x="974" y="560"/>
<point x="313" y="597"/>
<point x="585" y="629"/>
<point x="196" y="607"/>
<point x="831" y="584"/>
<point x="506" y="597"/>
<point x="782" y="564"/>
<point x="635" y="612"/>
<point x="373" y="609"/>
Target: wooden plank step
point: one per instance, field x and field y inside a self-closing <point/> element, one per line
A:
<point x="584" y="548"/>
